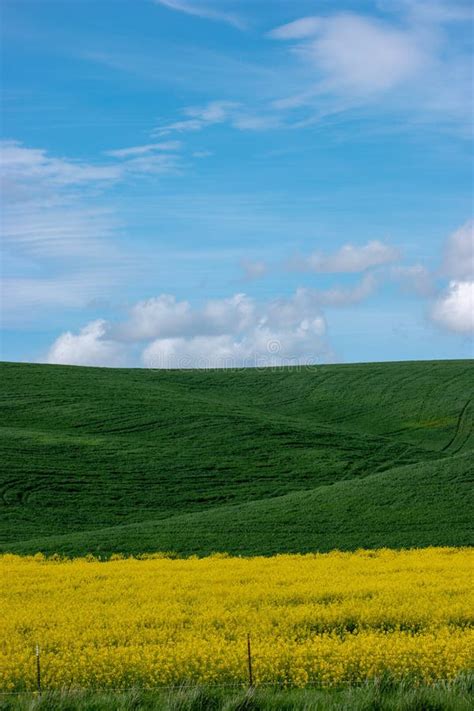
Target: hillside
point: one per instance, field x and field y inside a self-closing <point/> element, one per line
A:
<point x="246" y="461"/>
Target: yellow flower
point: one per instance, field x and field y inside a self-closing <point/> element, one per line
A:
<point x="319" y="618"/>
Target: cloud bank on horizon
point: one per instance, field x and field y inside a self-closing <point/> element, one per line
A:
<point x="213" y="184"/>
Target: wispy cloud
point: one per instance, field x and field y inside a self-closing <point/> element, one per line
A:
<point x="348" y="259"/>
<point x="434" y="11"/>
<point x="205" y="11"/>
<point x="60" y="230"/>
<point x="415" y="278"/>
<point x="54" y="218"/>
<point x="27" y="171"/>
<point x="356" y="54"/>
<point x="23" y="167"/>
<point x="218" y="112"/>
<point x="23" y="298"/>
<point x="404" y="62"/>
<point x="253" y="269"/>
<point x="147" y="148"/>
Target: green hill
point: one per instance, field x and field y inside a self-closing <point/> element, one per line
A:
<point x="245" y="461"/>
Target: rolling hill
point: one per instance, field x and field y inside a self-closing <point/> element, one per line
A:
<point x="245" y="461"/>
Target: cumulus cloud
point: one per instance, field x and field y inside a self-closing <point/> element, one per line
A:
<point x="237" y="312"/>
<point x="162" y="315"/>
<point x="454" y="308"/>
<point x="166" y="317"/>
<point x="348" y="259"/>
<point x="90" y="346"/>
<point x="451" y="306"/>
<point x="458" y="262"/>
<point x="234" y="331"/>
<point x="260" y="347"/>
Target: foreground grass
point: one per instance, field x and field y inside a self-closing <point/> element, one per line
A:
<point x="457" y="696"/>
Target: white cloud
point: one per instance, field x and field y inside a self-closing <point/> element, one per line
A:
<point x="148" y="148"/>
<point x="202" y="154"/>
<point x="458" y="262"/>
<point x="357" y="54"/>
<point x="305" y="305"/>
<point x="236" y="312"/>
<point x="253" y="269"/>
<point x="165" y="317"/>
<point x="199" y="117"/>
<point x="348" y="259"/>
<point x="219" y="112"/>
<point x="59" y="230"/>
<point x="345" y="296"/>
<point x="298" y="29"/>
<point x="89" y="347"/>
<point x="213" y="112"/>
<point x="406" y="64"/>
<point x="29" y="172"/>
<point x="259" y="347"/>
<point x="53" y="215"/>
<point x="435" y="11"/>
<point x="151" y="164"/>
<point x="454" y="308"/>
<point x="451" y="307"/>
<point x="162" y="315"/>
<point x="416" y="278"/>
<point x="200" y="9"/>
<point x="248" y="121"/>
<point x="25" y="168"/>
<point x="22" y="298"/>
<point x="50" y="219"/>
<point x="233" y="331"/>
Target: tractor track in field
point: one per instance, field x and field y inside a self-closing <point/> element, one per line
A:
<point x="462" y="425"/>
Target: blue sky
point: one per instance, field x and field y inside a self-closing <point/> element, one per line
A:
<point x="236" y="182"/>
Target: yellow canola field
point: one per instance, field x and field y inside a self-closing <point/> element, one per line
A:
<point x="322" y="618"/>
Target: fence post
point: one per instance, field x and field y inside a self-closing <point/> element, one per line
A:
<point x="38" y="669"/>
<point x="249" y="659"/>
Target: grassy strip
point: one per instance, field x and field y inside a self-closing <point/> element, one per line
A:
<point x="456" y="696"/>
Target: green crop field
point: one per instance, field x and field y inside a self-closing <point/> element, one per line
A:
<point x="248" y="461"/>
